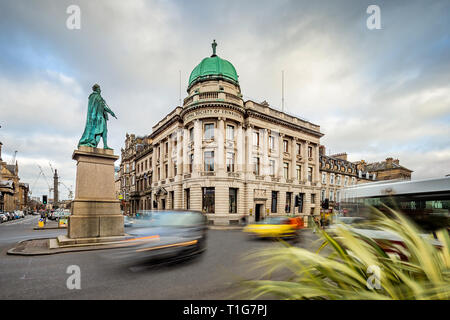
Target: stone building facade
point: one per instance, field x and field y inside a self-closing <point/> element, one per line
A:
<point x="13" y="193"/>
<point x="386" y="170"/>
<point x="336" y="173"/>
<point x="223" y="156"/>
<point x="228" y="157"/>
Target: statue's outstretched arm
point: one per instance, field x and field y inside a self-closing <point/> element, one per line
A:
<point x="107" y="109"/>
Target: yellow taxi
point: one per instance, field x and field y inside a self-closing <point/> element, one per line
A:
<point x="273" y="227"/>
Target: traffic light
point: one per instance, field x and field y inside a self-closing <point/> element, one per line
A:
<point x="44" y="199"/>
<point x="300" y="202"/>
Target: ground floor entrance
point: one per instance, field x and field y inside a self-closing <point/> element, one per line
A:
<point x="258" y="212"/>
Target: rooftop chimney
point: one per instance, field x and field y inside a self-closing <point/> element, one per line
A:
<point x="322" y="150"/>
<point x="389" y="162"/>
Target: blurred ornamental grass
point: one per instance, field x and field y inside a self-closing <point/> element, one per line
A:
<point x="342" y="272"/>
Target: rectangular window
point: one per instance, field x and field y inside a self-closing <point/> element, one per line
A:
<point x="310" y="174"/>
<point x="286" y="170"/>
<point x="208" y="200"/>
<point x="285" y="146"/>
<point x="230" y="132"/>
<point x="187" y="197"/>
<point x="322" y="195"/>
<point x="338" y="180"/>
<point x="272" y="167"/>
<point x="167" y="147"/>
<point x="338" y="196"/>
<point x="146" y="165"/>
<point x="331" y="195"/>
<point x="191" y="134"/>
<point x="288" y="202"/>
<point x="299" y="149"/>
<point x="166" y="171"/>
<point x="159" y="173"/>
<point x="230" y="162"/>
<point x="313" y="198"/>
<point x="172" y="200"/>
<point x="332" y="178"/>
<point x="310" y="152"/>
<point x="299" y="172"/>
<point x="256" y="138"/>
<point x="209" y="131"/>
<point x="209" y="160"/>
<point x="345" y="181"/>
<point x="272" y="143"/>
<point x="256" y="166"/>
<point x="191" y="162"/>
<point x="274" y="201"/>
<point x="174" y="168"/>
<point x="233" y="200"/>
<point x="324" y="177"/>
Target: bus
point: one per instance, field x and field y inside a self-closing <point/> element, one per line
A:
<point x="426" y="202"/>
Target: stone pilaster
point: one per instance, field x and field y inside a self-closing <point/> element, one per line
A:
<point x="220" y="158"/>
<point x="198" y="138"/>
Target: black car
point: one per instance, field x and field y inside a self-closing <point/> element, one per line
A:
<point x="164" y="236"/>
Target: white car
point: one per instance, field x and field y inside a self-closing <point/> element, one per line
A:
<point x="3" y="218"/>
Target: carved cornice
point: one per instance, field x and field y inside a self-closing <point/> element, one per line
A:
<point x="294" y="126"/>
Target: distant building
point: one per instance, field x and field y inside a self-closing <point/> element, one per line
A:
<point x="386" y="170"/>
<point x="336" y="173"/>
<point x="13" y="194"/>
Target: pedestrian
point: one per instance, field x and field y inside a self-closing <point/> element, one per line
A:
<point x="316" y="224"/>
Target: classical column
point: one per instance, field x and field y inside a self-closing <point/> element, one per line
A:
<point x="304" y="148"/>
<point x="264" y="162"/>
<point x="220" y="158"/>
<point x="280" y="156"/>
<point x="316" y="173"/>
<point x="197" y="148"/>
<point x="240" y="149"/>
<point x="169" y="155"/>
<point x="294" y="159"/>
<point x="249" y="166"/>
<point x="154" y="159"/>
<point x="179" y="152"/>
<point x="185" y="151"/>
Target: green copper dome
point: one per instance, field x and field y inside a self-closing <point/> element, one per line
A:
<point x="213" y="67"/>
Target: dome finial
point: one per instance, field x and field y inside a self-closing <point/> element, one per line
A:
<point x="214" y="45"/>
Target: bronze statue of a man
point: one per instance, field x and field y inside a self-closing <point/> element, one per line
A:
<point x="96" y="120"/>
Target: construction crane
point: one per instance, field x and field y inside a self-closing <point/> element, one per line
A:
<point x="53" y="171"/>
<point x="68" y="189"/>
<point x="13" y="161"/>
<point x="49" y="187"/>
<point x="34" y="183"/>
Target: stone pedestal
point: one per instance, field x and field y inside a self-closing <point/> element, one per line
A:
<point x="95" y="210"/>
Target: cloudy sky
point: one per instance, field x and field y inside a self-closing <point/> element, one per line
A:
<point x="375" y="93"/>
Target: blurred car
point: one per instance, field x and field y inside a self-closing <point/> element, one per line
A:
<point x="275" y="227"/>
<point x="60" y="214"/>
<point x="3" y="218"/>
<point x="163" y="237"/>
<point x="128" y="221"/>
<point x="19" y="214"/>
